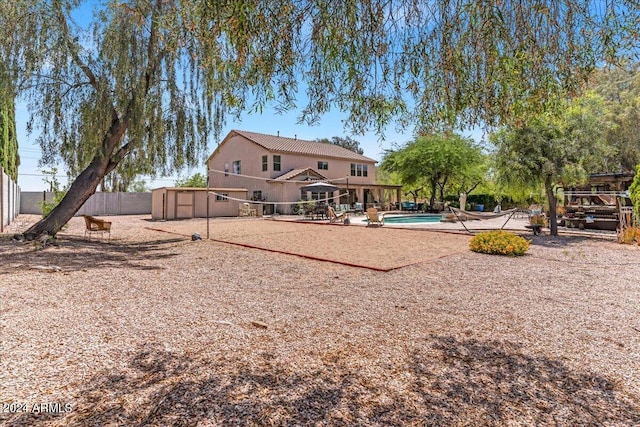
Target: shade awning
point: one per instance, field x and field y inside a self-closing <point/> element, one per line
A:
<point x="320" y="187"/>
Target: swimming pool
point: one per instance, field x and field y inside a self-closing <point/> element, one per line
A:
<point x="412" y="219"/>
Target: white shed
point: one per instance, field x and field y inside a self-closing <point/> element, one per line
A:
<point x="169" y="203"/>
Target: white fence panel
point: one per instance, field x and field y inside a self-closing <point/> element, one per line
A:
<point x="31" y="201"/>
<point x="98" y="203"/>
<point x="9" y="200"/>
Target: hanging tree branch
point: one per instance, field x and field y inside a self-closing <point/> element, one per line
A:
<point x="165" y="73"/>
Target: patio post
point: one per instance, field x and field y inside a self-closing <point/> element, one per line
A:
<point x="348" y="194"/>
<point x="208" y="201"/>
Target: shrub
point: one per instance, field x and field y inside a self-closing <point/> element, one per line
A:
<point x="630" y="235"/>
<point x="539" y="219"/>
<point x="499" y="243"/>
<point x="47" y="207"/>
<point x="302" y="206"/>
<point x="634" y="193"/>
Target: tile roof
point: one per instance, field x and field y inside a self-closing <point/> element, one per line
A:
<point x="295" y="172"/>
<point x="300" y="146"/>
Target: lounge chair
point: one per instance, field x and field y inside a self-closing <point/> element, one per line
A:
<point x="335" y="216"/>
<point x="95" y="225"/>
<point x="374" y="218"/>
<point x="408" y="206"/>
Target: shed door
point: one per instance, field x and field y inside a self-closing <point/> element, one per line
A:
<point x="185" y="204"/>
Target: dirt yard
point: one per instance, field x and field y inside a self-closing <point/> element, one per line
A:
<point x="152" y="328"/>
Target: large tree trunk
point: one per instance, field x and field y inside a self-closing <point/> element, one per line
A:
<point x="84" y="185"/>
<point x="432" y="200"/>
<point x="470" y="190"/>
<point x="553" y="218"/>
<point x="79" y="192"/>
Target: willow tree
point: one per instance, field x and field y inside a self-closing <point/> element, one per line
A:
<point x="150" y="80"/>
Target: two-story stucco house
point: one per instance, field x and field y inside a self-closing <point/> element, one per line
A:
<point x="273" y="168"/>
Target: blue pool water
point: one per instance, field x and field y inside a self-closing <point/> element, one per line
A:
<point x="412" y="219"/>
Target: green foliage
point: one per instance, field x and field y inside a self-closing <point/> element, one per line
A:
<point x="139" y="186"/>
<point x="145" y="83"/>
<point x="345" y="142"/>
<point x="302" y="206"/>
<point x="135" y="51"/>
<point x="556" y="148"/>
<point x="51" y="179"/>
<point x="47" y="207"/>
<point x="433" y="161"/>
<point x="585" y="128"/>
<point x="634" y="193"/>
<point x="197" y="180"/>
<point x="620" y="89"/>
<point x="387" y="177"/>
<point x="499" y="242"/>
<point x="9" y="157"/>
<point x="564" y="146"/>
<point x="123" y="180"/>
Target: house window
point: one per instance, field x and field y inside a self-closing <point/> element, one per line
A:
<point x="257" y="196"/>
<point x="226" y="169"/>
<point x="318" y="195"/>
<point x="222" y="197"/>
<point x="276" y="163"/>
<point x="265" y="163"/>
<point x="323" y="166"/>
<point x="358" y="169"/>
<point x="236" y="167"/>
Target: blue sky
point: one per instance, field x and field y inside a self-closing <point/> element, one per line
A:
<point x="270" y="122"/>
<point x="30" y="177"/>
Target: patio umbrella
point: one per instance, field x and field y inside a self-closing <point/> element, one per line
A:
<point x="320" y="187"/>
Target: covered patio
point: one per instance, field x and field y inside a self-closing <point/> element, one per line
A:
<point x="380" y="196"/>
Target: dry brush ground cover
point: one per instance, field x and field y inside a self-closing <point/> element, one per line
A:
<point x="155" y="329"/>
<point x="374" y="247"/>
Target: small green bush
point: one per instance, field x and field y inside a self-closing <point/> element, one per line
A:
<point x="499" y="243"/>
<point x="48" y="207"/>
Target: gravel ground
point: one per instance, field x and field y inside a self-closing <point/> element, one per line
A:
<point x="151" y="328"/>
